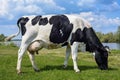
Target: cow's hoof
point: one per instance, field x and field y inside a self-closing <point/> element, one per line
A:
<point x="77" y="71"/>
<point x="64" y="66"/>
<point x="36" y="70"/>
<point x="19" y="72"/>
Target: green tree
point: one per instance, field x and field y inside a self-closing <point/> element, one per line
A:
<point x="99" y="35"/>
<point x="109" y="37"/>
<point x="118" y="35"/>
<point x="2" y="37"/>
<point x="105" y="38"/>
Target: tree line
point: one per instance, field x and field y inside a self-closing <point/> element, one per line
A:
<point x="109" y="37"/>
<point x="106" y="38"/>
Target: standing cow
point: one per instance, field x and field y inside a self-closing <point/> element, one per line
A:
<point x="55" y="31"/>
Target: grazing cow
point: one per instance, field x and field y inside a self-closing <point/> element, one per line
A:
<point x="55" y="31"/>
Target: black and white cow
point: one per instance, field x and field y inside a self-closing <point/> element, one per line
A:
<point x="55" y="31"/>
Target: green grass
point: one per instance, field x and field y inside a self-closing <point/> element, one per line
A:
<point x="50" y="63"/>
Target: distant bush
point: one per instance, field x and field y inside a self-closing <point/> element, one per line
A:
<point x="12" y="45"/>
<point x="7" y="44"/>
<point x="2" y="37"/>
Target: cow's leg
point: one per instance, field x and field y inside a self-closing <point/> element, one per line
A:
<point x="32" y="59"/>
<point x="20" y="55"/>
<point x="74" y="50"/>
<point x="68" y="51"/>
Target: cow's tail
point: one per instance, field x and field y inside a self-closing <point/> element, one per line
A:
<point x="16" y="34"/>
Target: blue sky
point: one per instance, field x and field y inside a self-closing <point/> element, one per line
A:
<point x="104" y="15"/>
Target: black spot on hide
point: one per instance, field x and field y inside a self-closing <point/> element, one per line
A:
<point x="35" y="20"/>
<point x="42" y="21"/>
<point x="78" y="36"/>
<point x="22" y="21"/>
<point x="61" y="28"/>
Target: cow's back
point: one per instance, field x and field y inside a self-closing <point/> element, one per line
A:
<point x="42" y="29"/>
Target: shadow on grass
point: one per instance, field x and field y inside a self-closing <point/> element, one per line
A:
<point x="83" y="68"/>
<point x="60" y="67"/>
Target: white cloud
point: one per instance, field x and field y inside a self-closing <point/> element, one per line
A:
<point x="8" y="26"/>
<point x="4" y="9"/>
<point x="114" y="6"/>
<point x="100" y="20"/>
<point x="99" y="5"/>
<point x="52" y="5"/>
<point x="29" y="9"/>
<point x="72" y="2"/>
<point x="11" y="8"/>
<point x="115" y="21"/>
<point x="51" y="2"/>
<point x="83" y="3"/>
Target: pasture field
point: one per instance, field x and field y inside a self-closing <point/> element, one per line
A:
<point x="50" y="63"/>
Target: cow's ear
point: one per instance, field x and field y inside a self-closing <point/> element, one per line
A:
<point x="102" y="49"/>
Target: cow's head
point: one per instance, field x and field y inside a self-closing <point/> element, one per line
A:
<point x="101" y="57"/>
<point x="93" y="44"/>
